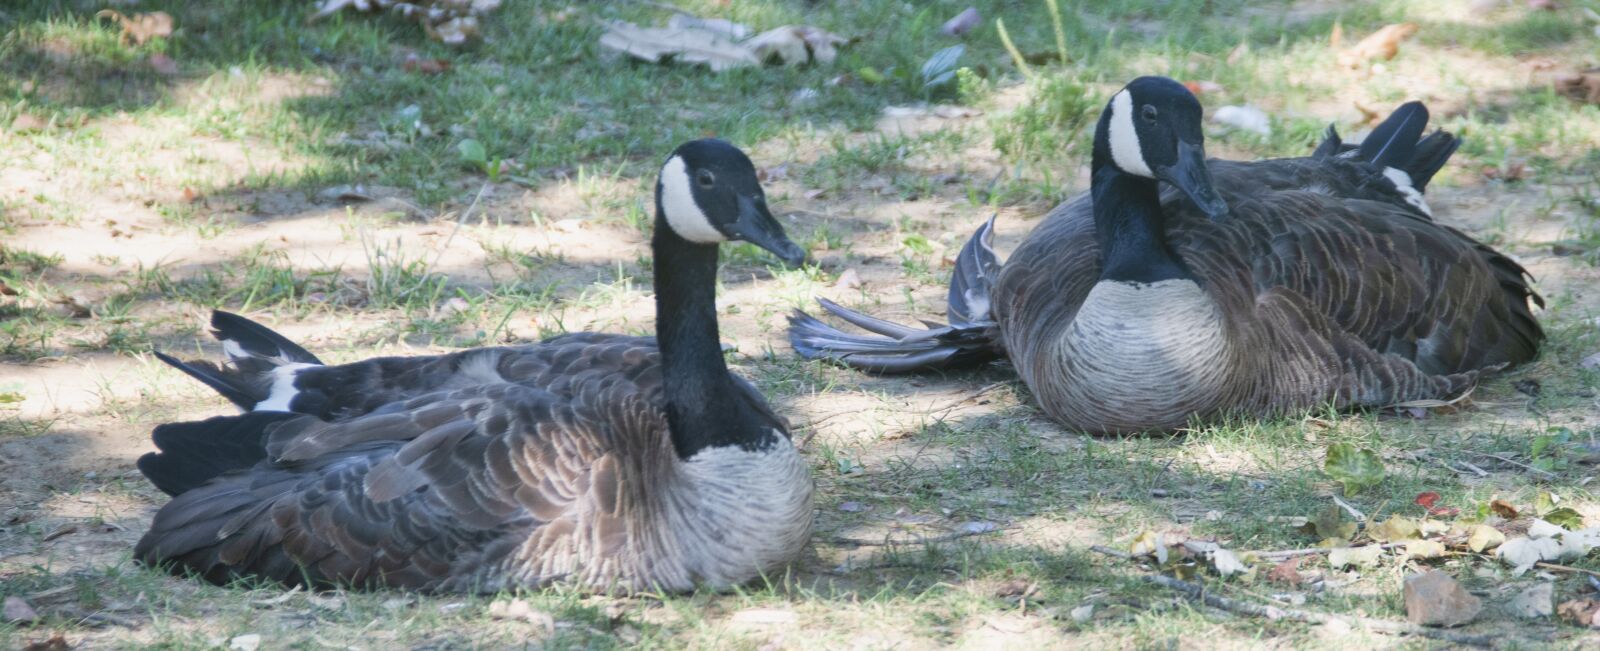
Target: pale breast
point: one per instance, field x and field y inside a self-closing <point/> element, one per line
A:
<point x="1137" y="356"/>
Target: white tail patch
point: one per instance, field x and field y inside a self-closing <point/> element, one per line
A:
<point x="283" y="390"/>
<point x="682" y="212"/>
<point x="1402" y="183"/>
<point x="1125" y="149"/>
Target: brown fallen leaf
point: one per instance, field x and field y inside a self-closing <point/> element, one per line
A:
<point x="1580" y="612"/>
<point x="139" y="27"/>
<point x="1382" y="45"/>
<point x="1503" y="509"/>
<point x="63" y="530"/>
<point x="1287" y="572"/>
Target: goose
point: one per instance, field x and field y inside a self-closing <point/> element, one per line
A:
<point x="1180" y="289"/>
<point x="610" y="462"/>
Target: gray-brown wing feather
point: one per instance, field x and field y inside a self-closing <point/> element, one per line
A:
<point x="468" y="489"/>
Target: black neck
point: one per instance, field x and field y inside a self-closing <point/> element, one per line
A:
<point x="1130" y="228"/>
<point x="704" y="408"/>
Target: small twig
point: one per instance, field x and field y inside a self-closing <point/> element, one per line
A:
<point x="1102" y="549"/>
<point x="1354" y="513"/>
<point x="1565" y="568"/>
<point x="1286" y="554"/>
<point x="459" y="221"/>
<point x="1546" y="473"/>
<point x="1199" y="593"/>
<point x="1475" y="469"/>
<point x="921" y="540"/>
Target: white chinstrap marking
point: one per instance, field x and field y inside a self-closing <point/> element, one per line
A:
<point x="677" y="202"/>
<point x="283" y="391"/>
<point x="1125" y="149"/>
<point x="1402" y="182"/>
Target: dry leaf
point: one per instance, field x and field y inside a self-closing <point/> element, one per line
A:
<point x="1382" y="45"/>
<point x="1523" y="553"/>
<point x="1150" y="542"/>
<point x="140" y="27"/>
<point x="1580" y="612"/>
<point x="1366" y="556"/>
<point x="685" y="45"/>
<point x="1287" y="572"/>
<point x="1484" y="537"/>
<point x="1503" y="509"/>
<point x="727" y="28"/>
<point x="1582" y="86"/>
<point x="1424" y="549"/>
<point x="794" y="45"/>
<point x="1396" y="528"/>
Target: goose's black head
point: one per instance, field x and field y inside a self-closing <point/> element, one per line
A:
<point x="708" y="193"/>
<point x="1151" y="128"/>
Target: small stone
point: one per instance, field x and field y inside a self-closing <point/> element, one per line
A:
<point x="1082" y="613"/>
<point x="1534" y="603"/>
<point x="247" y="642"/>
<point x="1590" y="363"/>
<point x="1435" y="599"/>
<point x="852" y="507"/>
<point x="848" y="279"/>
<point x="18" y="611"/>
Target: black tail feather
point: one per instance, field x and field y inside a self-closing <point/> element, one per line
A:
<point x="976" y="269"/>
<point x="1393" y="142"/>
<point x="1431" y="154"/>
<point x="258" y="339"/>
<point x="1332" y="145"/>
<point x="192" y="453"/>
<point x="971" y="339"/>
<point x="231" y="386"/>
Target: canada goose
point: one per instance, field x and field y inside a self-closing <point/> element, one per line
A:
<point x="1236" y="288"/>
<point x="613" y="462"/>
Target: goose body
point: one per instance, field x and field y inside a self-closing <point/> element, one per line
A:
<point x="612" y="462"/>
<point x="1230" y="288"/>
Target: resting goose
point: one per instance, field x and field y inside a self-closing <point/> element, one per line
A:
<point x="1235" y="288"/>
<point x="613" y="462"/>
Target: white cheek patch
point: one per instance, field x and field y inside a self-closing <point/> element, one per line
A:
<point x="1402" y="182"/>
<point x="682" y="213"/>
<point x="1125" y="149"/>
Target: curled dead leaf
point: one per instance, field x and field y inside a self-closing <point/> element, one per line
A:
<point x="1580" y="612"/>
<point x="1382" y="45"/>
<point x="1287" y="572"/>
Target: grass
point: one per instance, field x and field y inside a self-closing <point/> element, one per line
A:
<point x="140" y="200"/>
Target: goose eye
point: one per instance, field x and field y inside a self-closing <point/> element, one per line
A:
<point x="705" y="179"/>
<point x="1149" y="113"/>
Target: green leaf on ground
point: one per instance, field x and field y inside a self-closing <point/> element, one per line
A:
<point x="1354" y="468"/>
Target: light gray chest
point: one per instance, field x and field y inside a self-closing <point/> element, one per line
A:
<point x="1137" y="356"/>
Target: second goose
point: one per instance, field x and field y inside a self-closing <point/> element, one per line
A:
<point x="1180" y="288"/>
